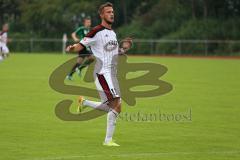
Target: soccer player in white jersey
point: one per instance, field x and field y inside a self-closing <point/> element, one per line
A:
<point x="103" y="42"/>
<point x="3" y="42"/>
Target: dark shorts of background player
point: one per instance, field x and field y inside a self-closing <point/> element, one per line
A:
<point x="84" y="53"/>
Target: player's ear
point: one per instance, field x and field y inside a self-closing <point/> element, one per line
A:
<point x="101" y="15"/>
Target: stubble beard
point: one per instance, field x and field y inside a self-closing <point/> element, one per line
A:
<point x="108" y="22"/>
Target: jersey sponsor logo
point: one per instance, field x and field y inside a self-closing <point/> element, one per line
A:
<point x="111" y="45"/>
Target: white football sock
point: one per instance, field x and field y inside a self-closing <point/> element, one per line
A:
<point x="111" y="122"/>
<point x="96" y="105"/>
<point x="1" y="58"/>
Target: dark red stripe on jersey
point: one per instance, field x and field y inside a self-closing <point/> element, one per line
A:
<point x="105" y="86"/>
<point x="82" y="45"/>
<point x="95" y="30"/>
<point x="1" y="33"/>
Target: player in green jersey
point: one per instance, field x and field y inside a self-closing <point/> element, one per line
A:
<point x="85" y="56"/>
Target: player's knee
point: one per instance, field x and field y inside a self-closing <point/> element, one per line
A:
<point x="79" y="60"/>
<point x="117" y="103"/>
<point x="90" y="59"/>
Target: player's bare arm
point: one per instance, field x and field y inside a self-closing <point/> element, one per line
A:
<point x="1" y="39"/>
<point x="74" y="37"/>
<point x="74" y="48"/>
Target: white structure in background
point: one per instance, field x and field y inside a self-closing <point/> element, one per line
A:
<point x="64" y="42"/>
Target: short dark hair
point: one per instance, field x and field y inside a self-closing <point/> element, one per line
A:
<point x="86" y="18"/>
<point x="107" y="4"/>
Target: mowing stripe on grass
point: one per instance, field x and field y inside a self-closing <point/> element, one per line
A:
<point x="138" y="155"/>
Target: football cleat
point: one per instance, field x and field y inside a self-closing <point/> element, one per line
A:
<point x="80" y="104"/>
<point x="69" y="77"/>
<point x="111" y="144"/>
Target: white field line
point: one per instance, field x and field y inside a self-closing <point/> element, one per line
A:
<point x="136" y="155"/>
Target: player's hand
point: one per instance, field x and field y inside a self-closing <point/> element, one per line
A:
<point x="70" y="48"/>
<point x="125" y="45"/>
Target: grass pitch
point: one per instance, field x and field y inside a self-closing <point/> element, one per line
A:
<point x="210" y="88"/>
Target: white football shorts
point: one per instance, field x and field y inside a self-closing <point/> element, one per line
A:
<point x="4" y="49"/>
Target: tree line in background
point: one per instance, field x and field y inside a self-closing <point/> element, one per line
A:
<point x="151" y="19"/>
<point x="52" y="18"/>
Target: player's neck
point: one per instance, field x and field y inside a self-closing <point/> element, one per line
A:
<point x="106" y="25"/>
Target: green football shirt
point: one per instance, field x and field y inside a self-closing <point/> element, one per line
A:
<point x="81" y="32"/>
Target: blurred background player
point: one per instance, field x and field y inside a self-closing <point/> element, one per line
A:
<point x="85" y="56"/>
<point x="3" y="42"/>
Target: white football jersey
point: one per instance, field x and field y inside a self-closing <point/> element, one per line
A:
<point x="104" y="45"/>
<point x="3" y="38"/>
